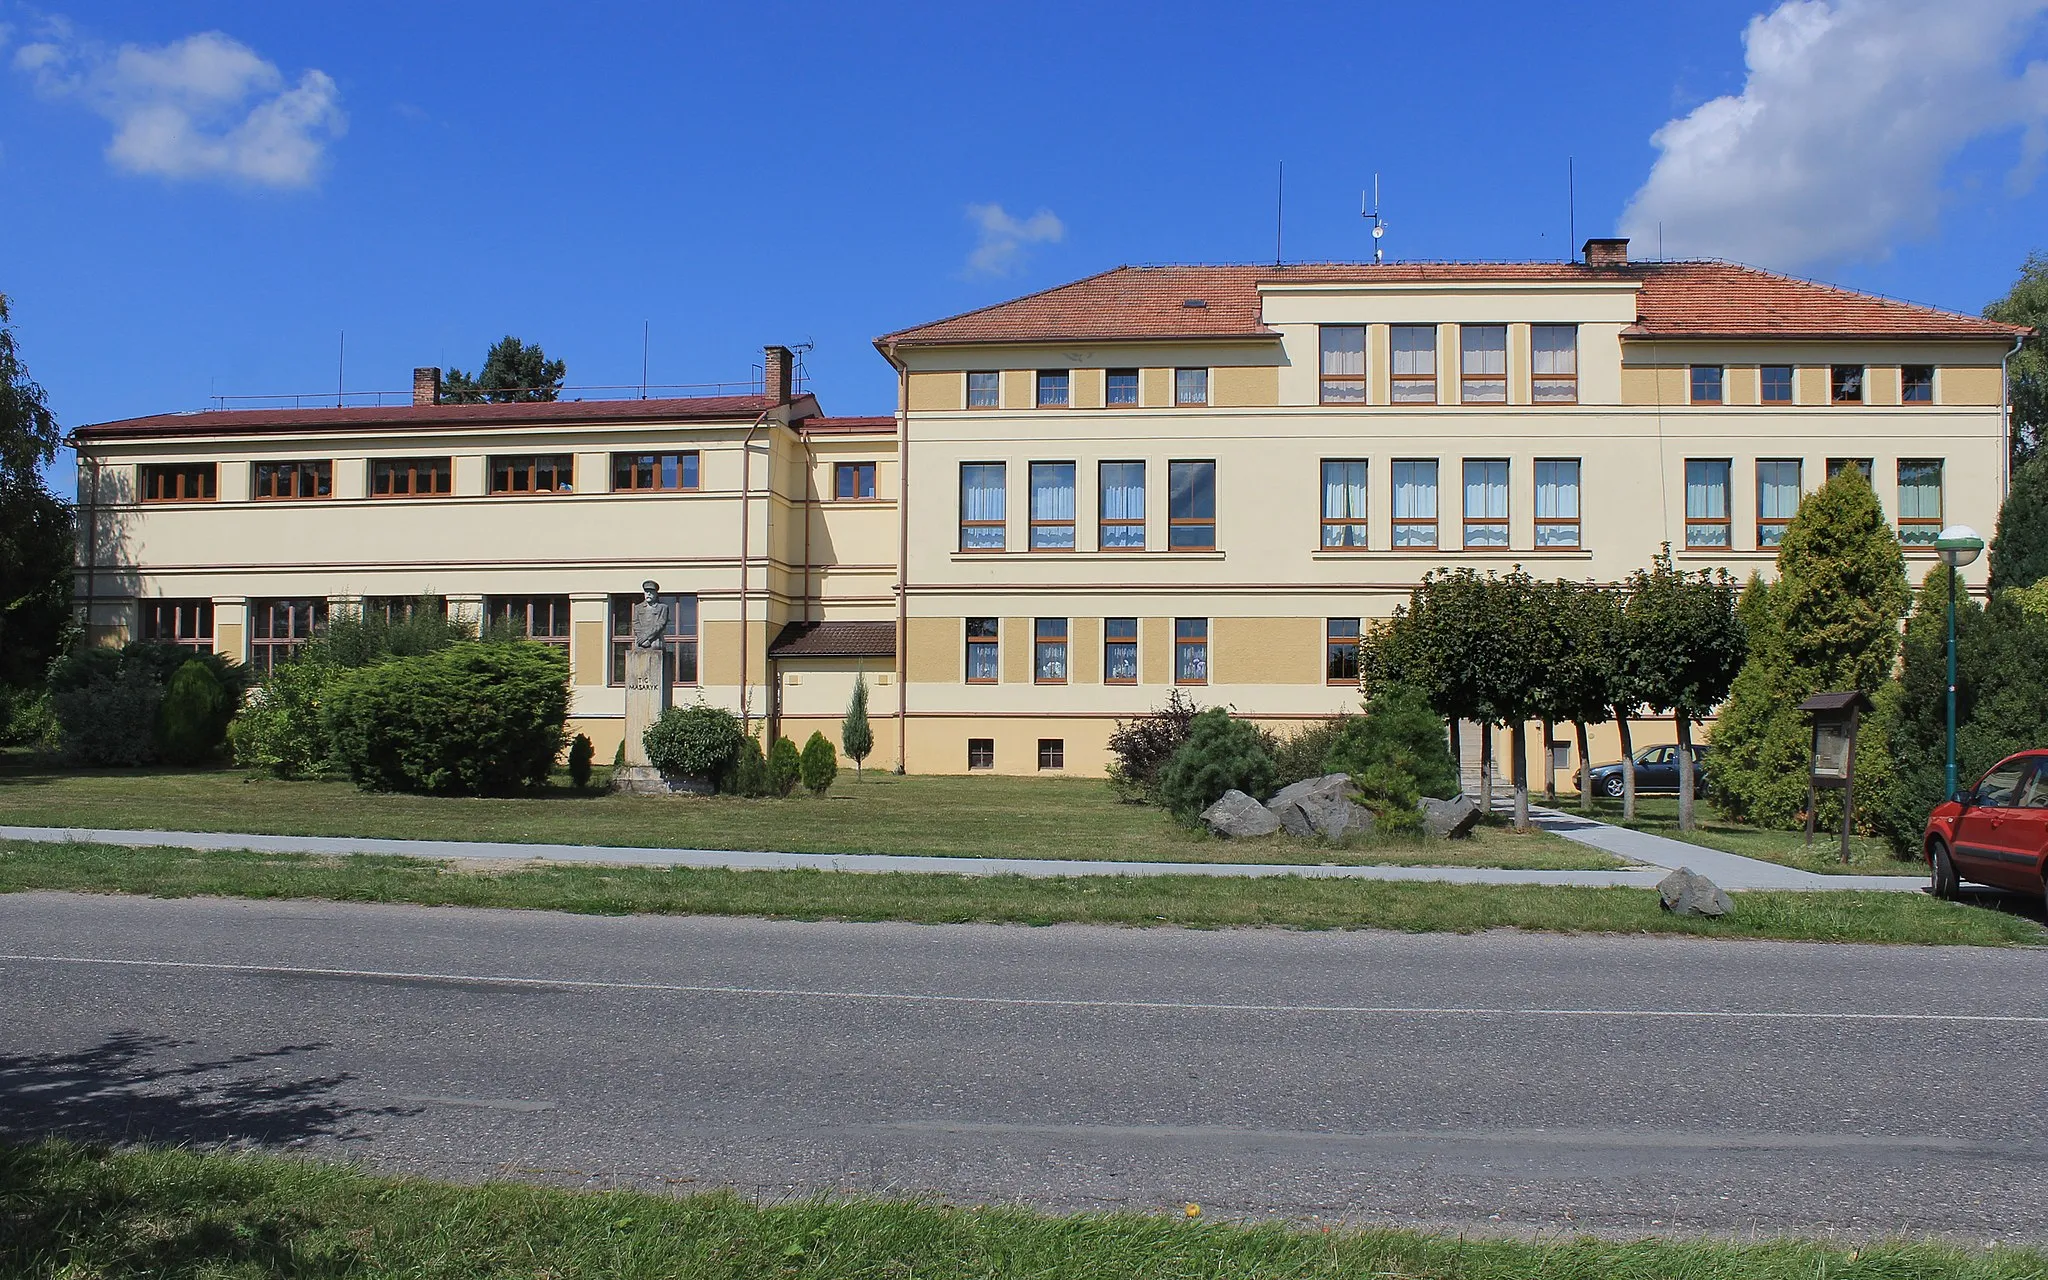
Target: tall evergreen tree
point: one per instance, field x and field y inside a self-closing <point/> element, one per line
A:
<point x="2019" y="546"/>
<point x="2027" y="370"/>
<point x="1908" y="743"/>
<point x="1685" y="644"/>
<point x="513" y="372"/>
<point x="856" y="738"/>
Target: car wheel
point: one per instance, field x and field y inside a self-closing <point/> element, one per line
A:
<point x="1944" y="882"/>
<point x="1614" y="787"/>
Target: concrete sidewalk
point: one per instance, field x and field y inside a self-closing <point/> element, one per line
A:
<point x="1651" y="856"/>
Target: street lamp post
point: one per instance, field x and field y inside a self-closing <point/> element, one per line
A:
<point x="1957" y="546"/>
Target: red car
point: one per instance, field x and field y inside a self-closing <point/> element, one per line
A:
<point x="1996" y="832"/>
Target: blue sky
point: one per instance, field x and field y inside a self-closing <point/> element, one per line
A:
<point x="199" y="198"/>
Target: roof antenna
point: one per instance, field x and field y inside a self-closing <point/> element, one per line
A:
<point x="643" y="358"/>
<point x="1372" y="214"/>
<point x="1571" y="209"/>
<point x="1279" y="211"/>
<point x="340" y="364"/>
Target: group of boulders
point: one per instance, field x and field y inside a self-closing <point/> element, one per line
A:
<point x="1324" y="807"/>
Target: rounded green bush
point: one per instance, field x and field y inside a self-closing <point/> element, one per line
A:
<point x="1220" y="754"/>
<point x="471" y="719"/>
<point x="697" y="741"/>
<point x="784" y="764"/>
<point x="819" y="764"/>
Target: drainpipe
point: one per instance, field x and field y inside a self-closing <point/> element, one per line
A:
<point x="746" y="508"/>
<point x="810" y="505"/>
<point x="902" y="558"/>
<point x="91" y="467"/>
<point x="2005" y="414"/>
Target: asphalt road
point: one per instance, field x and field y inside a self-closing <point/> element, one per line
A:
<point x="1504" y="1082"/>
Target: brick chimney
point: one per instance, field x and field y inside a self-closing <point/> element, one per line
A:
<point x="1606" y="253"/>
<point x="426" y="386"/>
<point x="778" y="375"/>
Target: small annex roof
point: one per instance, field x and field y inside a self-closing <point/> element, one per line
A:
<point x="207" y="422"/>
<point x="862" y="426"/>
<point x="835" y="640"/>
<point x="1673" y="300"/>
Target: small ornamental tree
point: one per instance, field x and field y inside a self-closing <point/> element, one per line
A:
<point x="1685" y="646"/>
<point x="2019" y="547"/>
<point x="697" y="741"/>
<point x="785" y="764"/>
<point x="581" y="755"/>
<point x="819" y="764"/>
<point x="1580" y="684"/>
<point x="749" y="770"/>
<point x="856" y="738"/>
<point x="1220" y="754"/>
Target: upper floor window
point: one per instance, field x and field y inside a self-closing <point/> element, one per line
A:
<point x="1774" y="382"/>
<point x="1119" y="651"/>
<point x="1777" y="497"/>
<point x="981" y="506"/>
<point x="533" y="473"/>
<point x="1191" y="506"/>
<point x="654" y="472"/>
<point x="1842" y="464"/>
<point x="188" y="623"/>
<point x="1052" y="506"/>
<point x="1415" y="503"/>
<point x="1191" y="651"/>
<point x="1916" y="384"/>
<point x="1344" y="524"/>
<point x="1340" y="651"/>
<point x="1052" y="388"/>
<point x="1485" y="363"/>
<point x="1919" y="501"/>
<point x="1343" y="364"/>
<point x="1123" y="507"/>
<point x="279" y="628"/>
<point x="1049" y="651"/>
<point x="984" y="390"/>
<point x="1486" y="502"/>
<point x="1554" y="363"/>
<point x="1120" y="388"/>
<point x="1557" y="502"/>
<point x="983" y="656"/>
<point x="180" y="482"/>
<point x="411" y="477"/>
<point x="679" y="642"/>
<point x="853" y="481"/>
<point x="1706" y="384"/>
<point x="1845" y="383"/>
<point x="274" y="480"/>
<point x="1706" y="503"/>
<point x="541" y="618"/>
<point x="1414" y="366"/>
<point x="1190" y="386"/>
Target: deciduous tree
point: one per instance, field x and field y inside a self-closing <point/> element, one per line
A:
<point x="36" y="547"/>
<point x="1685" y="644"/>
<point x="2027" y="370"/>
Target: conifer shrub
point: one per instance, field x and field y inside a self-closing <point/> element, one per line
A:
<point x="106" y="703"/>
<point x="749" y="770"/>
<point x="1220" y="754"/>
<point x="1144" y="745"/>
<point x="697" y="741"/>
<point x="1398" y="737"/>
<point x="855" y="734"/>
<point x="469" y="719"/>
<point x="2019" y="544"/>
<point x="581" y="756"/>
<point x="194" y="715"/>
<point x="819" y="764"/>
<point x="785" y="763"/>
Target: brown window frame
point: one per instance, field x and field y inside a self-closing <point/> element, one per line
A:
<point x="535" y="463"/>
<point x="1362" y="379"/>
<point x="681" y="651"/>
<point x="322" y="476"/>
<point x="968" y="399"/>
<point x="437" y="469"/>
<point x="1862" y="384"/>
<point x="993" y="642"/>
<point x="1692" y="383"/>
<point x="1334" y="641"/>
<point x="1038" y="382"/>
<point x="981" y="754"/>
<point x="1725" y="521"/>
<point x="1923" y="523"/>
<point x="266" y="651"/>
<point x="1034" y="523"/>
<point x="203" y="478"/>
<point x="1000" y="524"/>
<point x="178" y="611"/>
<point x="872" y="473"/>
<point x="1396" y="379"/>
<point x="1868" y="466"/>
<point x="1505" y="521"/>
<point x="521" y="609"/>
<point x="1504" y="378"/>
<point x="1570" y="380"/>
<point x="1764" y="522"/>
<point x="1400" y="522"/>
<point x="1052" y="754"/>
<point x="1763" y="384"/>
<point x="1904" y="382"/>
<point x="1182" y="402"/>
<point x="1040" y="640"/>
<point x="1137" y="378"/>
<point x="1105" y="523"/>
<point x="631" y="466"/>
<point x="1575" y="523"/>
<point x="1108" y="640"/>
<point x="1190" y="642"/>
<point x="1190" y="522"/>
<point x="1345" y="522"/>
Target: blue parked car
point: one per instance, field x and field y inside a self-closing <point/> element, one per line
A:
<point x="1656" y="770"/>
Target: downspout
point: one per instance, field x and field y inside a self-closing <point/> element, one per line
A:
<point x="91" y="466"/>
<point x="746" y="508"/>
<point x="810" y="512"/>
<point x="902" y="559"/>
<point x="2005" y="414"/>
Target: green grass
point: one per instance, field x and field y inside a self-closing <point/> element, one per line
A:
<point x="1193" y="901"/>
<point x="1659" y="816"/>
<point x="959" y="816"/>
<point x="74" y="1211"/>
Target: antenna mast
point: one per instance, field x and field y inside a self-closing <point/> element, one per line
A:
<point x="1371" y="213"/>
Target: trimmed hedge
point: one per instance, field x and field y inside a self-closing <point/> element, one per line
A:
<point x="691" y="742"/>
<point x="471" y="719"/>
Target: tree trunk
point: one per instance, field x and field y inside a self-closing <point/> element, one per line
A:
<point x="1585" y="770"/>
<point x="1628" y="765"/>
<point x="1684" y="771"/>
<point x="1549" y="764"/>
<point x="1486" y="766"/>
<point x="1457" y="756"/>
<point x="1518" y="740"/>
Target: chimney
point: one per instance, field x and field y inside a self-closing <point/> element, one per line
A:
<point x="1606" y="253"/>
<point x="777" y="375"/>
<point x="426" y="386"/>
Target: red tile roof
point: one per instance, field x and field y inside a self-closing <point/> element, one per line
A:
<point x="384" y="417"/>
<point x="1676" y="299"/>
<point x="883" y="425"/>
<point x="835" y="640"/>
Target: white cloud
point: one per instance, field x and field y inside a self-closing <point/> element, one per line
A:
<point x="206" y="106"/>
<point x="999" y="249"/>
<point x="1837" y="145"/>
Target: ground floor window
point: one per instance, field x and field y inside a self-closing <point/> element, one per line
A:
<point x="981" y="753"/>
<point x="404" y="608"/>
<point x="1191" y="651"/>
<point x="679" y="648"/>
<point x="1340" y="643"/>
<point x="188" y="623"/>
<point x="1049" y="651"/>
<point x="983" y="658"/>
<point x="1120" y="651"/>
<point x="541" y="618"/>
<point x="279" y="628"/>
<point x="1052" y="753"/>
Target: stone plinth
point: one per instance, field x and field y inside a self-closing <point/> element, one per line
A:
<point x="646" y="699"/>
<point x="646" y="780"/>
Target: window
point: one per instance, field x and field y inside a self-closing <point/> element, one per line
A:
<point x="1861" y="464"/>
<point x="188" y="623"/>
<point x="1706" y="503"/>
<point x="1344" y="524"/>
<point x="1777" y="497"/>
<point x="984" y="390"/>
<point x="1845" y="383"/>
<point x="277" y="629"/>
<point x="981" y="506"/>
<point x="1415" y="503"/>
<point x="2000" y="788"/>
<point x="853" y="481"/>
<point x="1120" y="388"/>
<point x="1775" y="382"/>
<point x="1414" y="373"/>
<point x="180" y="482"/>
<point x="1919" y="502"/>
<point x="1191" y="506"/>
<point x="1486" y="502"/>
<point x="1340" y="648"/>
<point x="981" y="753"/>
<point x="1554" y="363"/>
<point x="1052" y="753"/>
<point x="1119" y="651"/>
<point x="284" y="480"/>
<point x="1052" y="388"/>
<point x="1049" y="651"/>
<point x="1052" y="506"/>
<point x="1190" y="386"/>
<point x="1191" y="651"/>
<point x="679" y="642"/>
<point x="1557" y="502"/>
<point x="1916" y="384"/>
<point x="411" y="477"/>
<point x="1343" y="367"/>
<point x="1706" y="384"/>
<point x="541" y="618"/>
<point x="654" y="472"/>
<point x="982" y="653"/>
<point x="1123" y="507"/>
<point x="403" y="608"/>
<point x="533" y="473"/>
<point x="1485" y="364"/>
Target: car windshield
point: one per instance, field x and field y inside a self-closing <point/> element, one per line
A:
<point x="1996" y="791"/>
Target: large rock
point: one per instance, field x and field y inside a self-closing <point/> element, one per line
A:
<point x="1448" y="819"/>
<point x="1320" y="807"/>
<point x="1239" y="817"/>
<point x="1686" y="892"/>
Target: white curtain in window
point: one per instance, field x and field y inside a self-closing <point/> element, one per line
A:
<point x="1706" y="491"/>
<point x="1486" y="491"/>
<point x="1777" y="490"/>
<point x="1414" y="349"/>
<point x="1123" y="491"/>
<point x="1052" y="491"/>
<point x="1343" y="351"/>
<point x="1557" y="490"/>
<point x="1344" y="490"/>
<point x="1554" y="349"/>
<point x="981" y="490"/>
<point x="1415" y="491"/>
<point x="1486" y="350"/>
<point x="1919" y="491"/>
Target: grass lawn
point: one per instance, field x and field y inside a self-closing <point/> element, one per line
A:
<point x="1659" y="815"/>
<point x="1192" y="901"/>
<point x="963" y="817"/>
<point x="68" y="1210"/>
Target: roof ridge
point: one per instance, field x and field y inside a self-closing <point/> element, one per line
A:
<point x="1022" y="297"/>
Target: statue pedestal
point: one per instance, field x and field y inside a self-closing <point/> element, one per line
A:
<point x="646" y="698"/>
